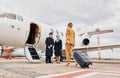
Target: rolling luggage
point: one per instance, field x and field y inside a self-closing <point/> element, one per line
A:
<point x="82" y="59"/>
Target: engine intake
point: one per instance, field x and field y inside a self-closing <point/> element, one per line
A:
<point x="86" y="41"/>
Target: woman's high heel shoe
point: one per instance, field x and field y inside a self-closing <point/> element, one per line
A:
<point x="76" y="64"/>
<point x="67" y="64"/>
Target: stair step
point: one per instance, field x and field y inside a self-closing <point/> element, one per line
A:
<point x="35" y="57"/>
<point x="33" y="53"/>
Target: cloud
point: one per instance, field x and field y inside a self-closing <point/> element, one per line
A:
<point x="87" y="12"/>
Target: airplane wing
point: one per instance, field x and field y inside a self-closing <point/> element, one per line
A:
<point x="89" y="49"/>
<point x="81" y="34"/>
<point x="98" y="31"/>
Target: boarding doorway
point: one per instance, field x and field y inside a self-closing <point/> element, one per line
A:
<point x="34" y="34"/>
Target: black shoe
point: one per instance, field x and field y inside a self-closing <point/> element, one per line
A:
<point x="51" y="62"/>
<point x="47" y="63"/>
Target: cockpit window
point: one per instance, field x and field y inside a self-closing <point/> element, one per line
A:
<point x="3" y="15"/>
<point x="20" y="18"/>
<point x="11" y="16"/>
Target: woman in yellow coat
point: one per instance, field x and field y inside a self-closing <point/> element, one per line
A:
<point x="70" y="42"/>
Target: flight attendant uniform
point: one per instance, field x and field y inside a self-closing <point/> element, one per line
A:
<point x="58" y="48"/>
<point x="70" y="43"/>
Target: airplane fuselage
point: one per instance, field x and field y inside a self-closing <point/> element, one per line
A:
<point x="19" y="33"/>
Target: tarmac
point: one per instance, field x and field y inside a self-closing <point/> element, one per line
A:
<point x="22" y="68"/>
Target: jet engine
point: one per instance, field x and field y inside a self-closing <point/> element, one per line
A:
<point x="85" y="40"/>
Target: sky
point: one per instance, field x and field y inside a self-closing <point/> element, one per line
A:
<point x="86" y="15"/>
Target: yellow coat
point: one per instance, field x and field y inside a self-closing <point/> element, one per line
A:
<point x="70" y="36"/>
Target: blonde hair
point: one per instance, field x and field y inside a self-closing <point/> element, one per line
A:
<point x="57" y="35"/>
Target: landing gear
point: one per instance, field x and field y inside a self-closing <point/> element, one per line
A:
<point x="1" y="49"/>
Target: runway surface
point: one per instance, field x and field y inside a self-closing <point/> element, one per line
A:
<point x="21" y="68"/>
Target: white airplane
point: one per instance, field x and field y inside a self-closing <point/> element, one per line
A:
<point x="21" y="32"/>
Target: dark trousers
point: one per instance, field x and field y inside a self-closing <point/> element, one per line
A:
<point x="48" y="59"/>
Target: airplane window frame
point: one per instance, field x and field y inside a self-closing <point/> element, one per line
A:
<point x="57" y="32"/>
<point x="11" y="16"/>
<point x="52" y="30"/>
<point x="62" y="33"/>
<point x="20" y="18"/>
<point x="3" y="15"/>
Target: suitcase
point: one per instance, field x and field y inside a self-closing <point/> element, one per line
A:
<point x="82" y="59"/>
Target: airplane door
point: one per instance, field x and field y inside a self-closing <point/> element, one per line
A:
<point x="37" y="39"/>
<point x="34" y="35"/>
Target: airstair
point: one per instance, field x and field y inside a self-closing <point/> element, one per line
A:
<point x="31" y="53"/>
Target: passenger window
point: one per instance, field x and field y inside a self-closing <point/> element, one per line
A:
<point x="52" y="30"/>
<point x="57" y="32"/>
<point x="20" y="18"/>
<point x="3" y="15"/>
<point x="62" y="34"/>
<point x="11" y="16"/>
